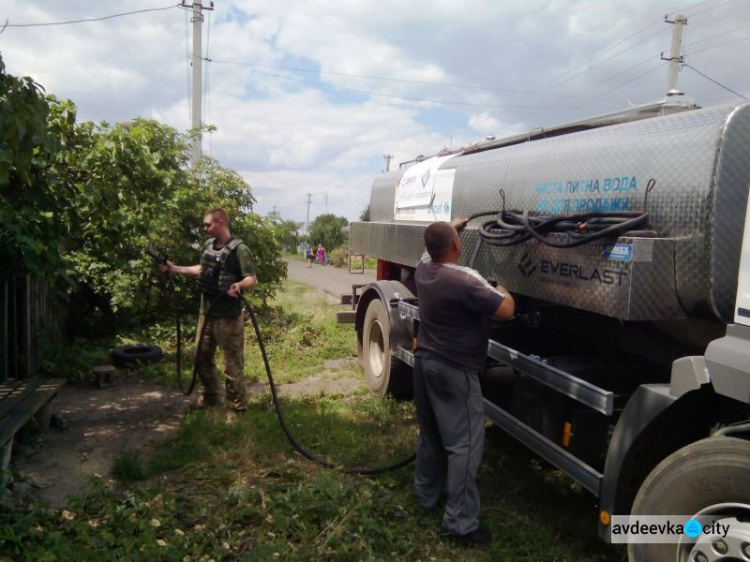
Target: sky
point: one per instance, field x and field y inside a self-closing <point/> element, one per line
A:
<point x="309" y="97"/>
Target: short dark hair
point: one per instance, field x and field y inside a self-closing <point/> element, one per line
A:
<point x="219" y="214"/>
<point x="438" y="238"/>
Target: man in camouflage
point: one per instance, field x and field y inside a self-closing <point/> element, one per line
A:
<point x="226" y="268"/>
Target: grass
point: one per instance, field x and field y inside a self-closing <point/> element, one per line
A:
<point x="231" y="487"/>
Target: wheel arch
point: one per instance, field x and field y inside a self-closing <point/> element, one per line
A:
<point x="385" y="291"/>
<point x="654" y="425"/>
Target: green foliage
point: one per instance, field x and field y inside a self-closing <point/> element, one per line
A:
<point x="301" y="333"/>
<point x="128" y="467"/>
<point x="81" y="202"/>
<point x="31" y="193"/>
<point x="340" y="258"/>
<point x="365" y="215"/>
<point x="73" y="359"/>
<point x="328" y="230"/>
<point x="288" y="232"/>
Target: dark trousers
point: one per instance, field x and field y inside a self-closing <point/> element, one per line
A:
<point x="450" y="412"/>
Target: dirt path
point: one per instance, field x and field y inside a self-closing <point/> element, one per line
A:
<point x="101" y="423"/>
<point x="332" y="280"/>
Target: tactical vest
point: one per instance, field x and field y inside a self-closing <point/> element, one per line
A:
<point x="214" y="277"/>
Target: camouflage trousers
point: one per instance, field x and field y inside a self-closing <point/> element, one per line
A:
<point x="227" y="334"/>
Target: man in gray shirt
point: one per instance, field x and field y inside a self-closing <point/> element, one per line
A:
<point x="455" y="304"/>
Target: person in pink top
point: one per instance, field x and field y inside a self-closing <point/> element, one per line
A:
<point x="320" y="255"/>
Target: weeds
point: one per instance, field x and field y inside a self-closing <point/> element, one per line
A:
<point x="128" y="467"/>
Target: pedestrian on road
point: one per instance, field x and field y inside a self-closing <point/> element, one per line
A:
<point x="455" y="304"/>
<point x="225" y="270"/>
<point x="320" y="255"/>
<point x="308" y="254"/>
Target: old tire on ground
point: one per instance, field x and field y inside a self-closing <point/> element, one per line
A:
<point x="136" y="354"/>
<point x="709" y="477"/>
<point x="384" y="373"/>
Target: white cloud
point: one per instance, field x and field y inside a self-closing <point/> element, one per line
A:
<point x="523" y="63"/>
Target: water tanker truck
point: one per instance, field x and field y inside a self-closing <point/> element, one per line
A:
<point x="625" y="241"/>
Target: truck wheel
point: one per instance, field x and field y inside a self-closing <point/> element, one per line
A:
<point x="383" y="372"/>
<point x="707" y="478"/>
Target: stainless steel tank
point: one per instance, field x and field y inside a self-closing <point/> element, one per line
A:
<point x="699" y="162"/>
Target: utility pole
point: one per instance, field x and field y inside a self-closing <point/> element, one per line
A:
<point x="388" y="158"/>
<point x="307" y="220"/>
<point x="197" y="63"/>
<point x="675" y="55"/>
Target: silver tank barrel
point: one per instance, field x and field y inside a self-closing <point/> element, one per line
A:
<point x="699" y="162"/>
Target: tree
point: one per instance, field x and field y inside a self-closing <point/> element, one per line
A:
<point x="80" y="202"/>
<point x="30" y="193"/>
<point x="135" y="192"/>
<point x="328" y="230"/>
<point x="365" y="215"/>
<point x="287" y="232"/>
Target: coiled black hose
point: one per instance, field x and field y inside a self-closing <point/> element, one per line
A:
<point x="509" y="228"/>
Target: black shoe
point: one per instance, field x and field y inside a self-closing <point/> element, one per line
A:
<point x="477" y="537"/>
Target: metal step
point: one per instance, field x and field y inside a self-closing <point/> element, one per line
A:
<point x="559" y="457"/>
<point x="571" y="386"/>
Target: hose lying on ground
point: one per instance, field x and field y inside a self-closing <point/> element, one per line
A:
<point x="285" y="428"/>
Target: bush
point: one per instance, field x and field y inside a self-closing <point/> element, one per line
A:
<point x="339" y="257"/>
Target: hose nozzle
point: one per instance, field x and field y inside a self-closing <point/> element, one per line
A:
<point x="160" y="260"/>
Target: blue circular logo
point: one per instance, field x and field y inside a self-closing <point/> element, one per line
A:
<point x="693" y="528"/>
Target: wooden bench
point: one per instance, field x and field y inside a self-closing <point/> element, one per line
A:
<point x="22" y="402"/>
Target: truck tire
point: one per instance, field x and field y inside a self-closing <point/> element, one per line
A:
<point x="708" y="477"/>
<point x="137" y="354"/>
<point x="384" y="373"/>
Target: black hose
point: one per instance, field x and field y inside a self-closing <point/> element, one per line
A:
<point x="285" y="428"/>
<point x="162" y="260"/>
<point x="514" y="227"/>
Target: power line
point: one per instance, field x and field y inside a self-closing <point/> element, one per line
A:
<point x="87" y="20"/>
<point x="395" y="96"/>
<point x="714" y="81"/>
<point x="657" y="67"/>
<point x="724" y="34"/>
<point x="717" y="46"/>
<point x="714" y="7"/>
<point x="585" y="64"/>
<point x="402" y="80"/>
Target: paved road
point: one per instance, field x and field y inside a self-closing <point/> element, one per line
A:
<point x="330" y="279"/>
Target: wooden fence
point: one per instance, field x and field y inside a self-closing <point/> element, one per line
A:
<point x="30" y="317"/>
